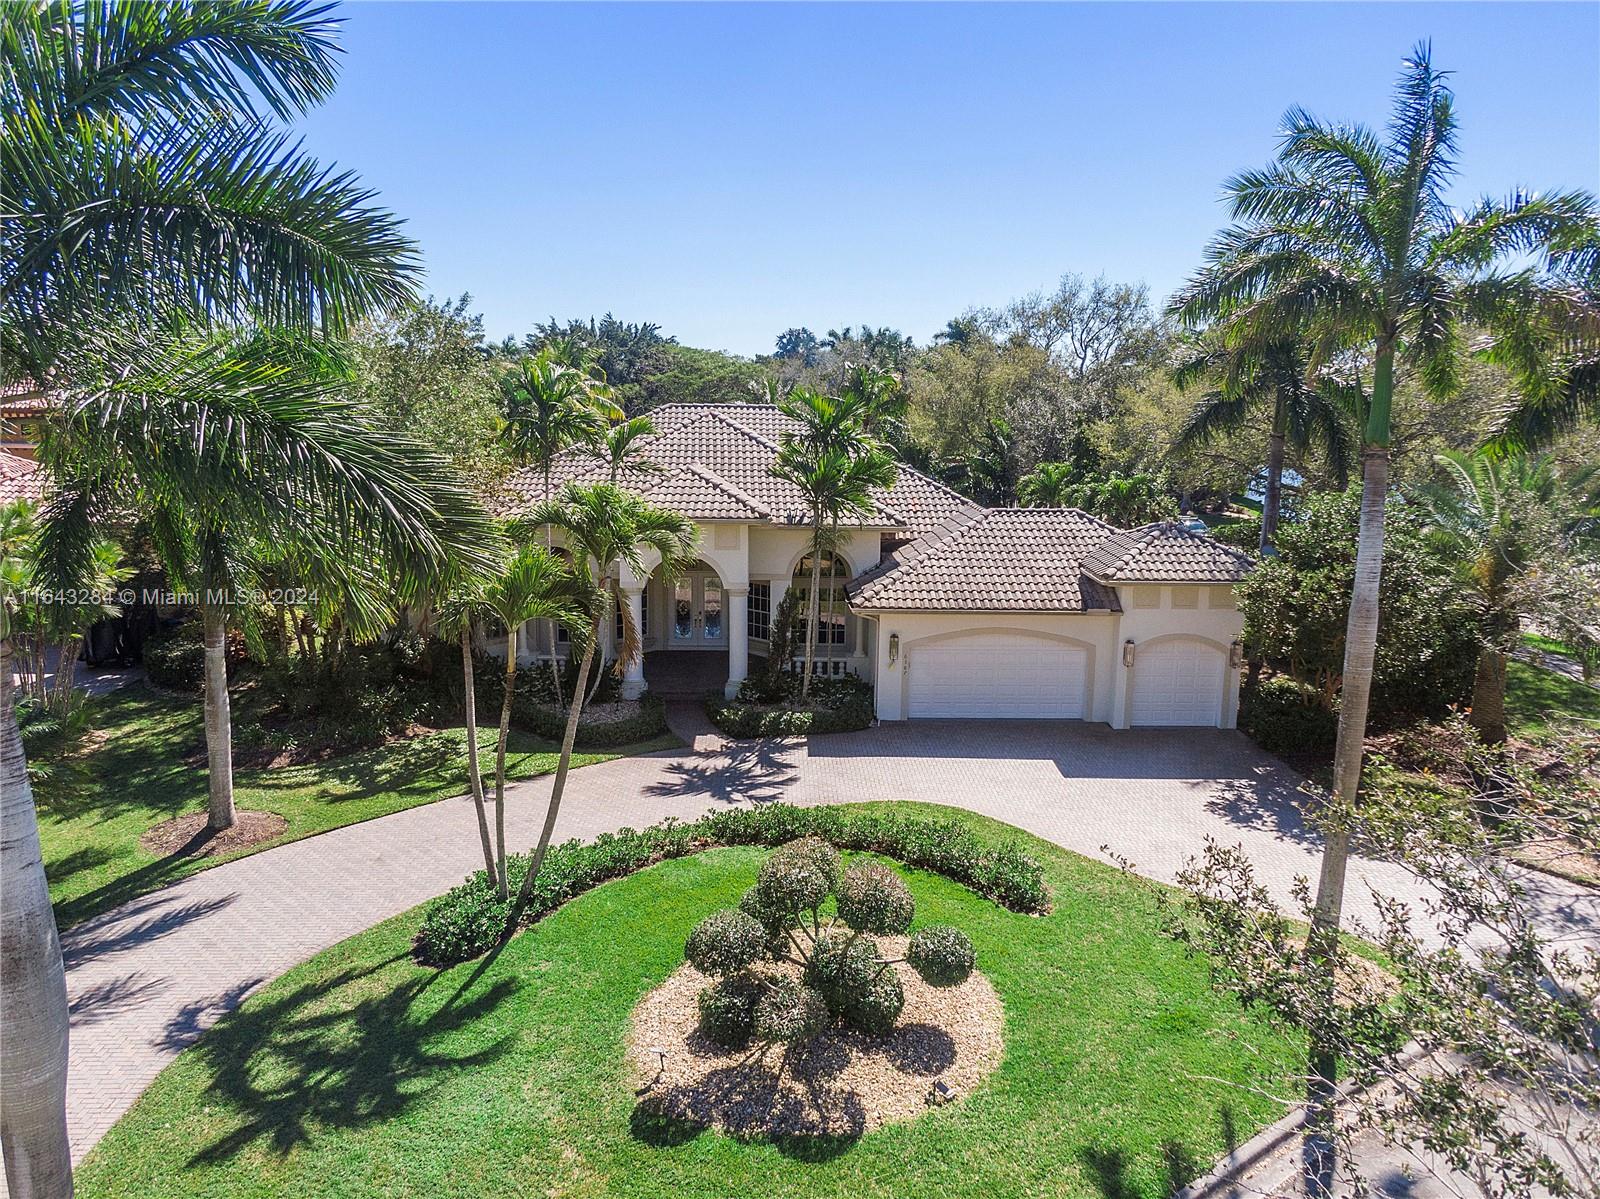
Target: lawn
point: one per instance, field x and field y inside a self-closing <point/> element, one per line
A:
<point x="359" y="1073"/>
<point x="1547" y="645"/>
<point x="1534" y="695"/>
<point x="134" y="770"/>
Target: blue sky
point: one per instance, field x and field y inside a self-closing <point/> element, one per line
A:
<point x="728" y="170"/>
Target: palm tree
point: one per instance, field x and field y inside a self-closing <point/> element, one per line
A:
<point x="1046" y="485"/>
<point x="149" y="201"/>
<point x="621" y="447"/>
<point x="603" y="528"/>
<point x="459" y="613"/>
<point x="549" y="409"/>
<point x="534" y="584"/>
<point x="1247" y="379"/>
<point x="838" y="467"/>
<point x="1497" y="515"/>
<point x="1347" y="240"/>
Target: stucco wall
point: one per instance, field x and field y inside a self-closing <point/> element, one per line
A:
<point x="1102" y="634"/>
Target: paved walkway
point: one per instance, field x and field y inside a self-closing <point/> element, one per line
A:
<point x="146" y="979"/>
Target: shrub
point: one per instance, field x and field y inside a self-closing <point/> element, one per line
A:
<point x="728" y="1008"/>
<point x="877" y="1008"/>
<point x="1285" y="716"/>
<point x="1010" y="875"/>
<point x="725" y="942"/>
<point x="795" y="879"/>
<point x="874" y="899"/>
<point x="944" y="956"/>
<point x="176" y="658"/>
<point x="460" y="924"/>
<point x="834" y="706"/>
<point x="788" y="1011"/>
<point x="841" y="968"/>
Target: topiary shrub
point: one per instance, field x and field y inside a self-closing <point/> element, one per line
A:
<point x="841" y="966"/>
<point x="944" y="956"/>
<point x="877" y="1008"/>
<point x="834" y="706"/>
<point x="725" y="942"/>
<point x="728" y="1008"/>
<point x="874" y="899"/>
<point x="788" y="1011"/>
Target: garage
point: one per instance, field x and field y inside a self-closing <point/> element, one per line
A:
<point x="999" y="675"/>
<point x="1178" y="682"/>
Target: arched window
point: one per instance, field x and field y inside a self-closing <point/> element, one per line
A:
<point x="833" y="612"/>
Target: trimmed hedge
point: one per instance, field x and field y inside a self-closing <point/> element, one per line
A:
<point x="551" y="723"/>
<point x="834" y="706"/>
<point x="176" y="658"/>
<point x="466" y="921"/>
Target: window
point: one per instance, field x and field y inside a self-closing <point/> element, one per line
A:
<point x="833" y="613"/>
<point x="644" y="613"/>
<point x="760" y="611"/>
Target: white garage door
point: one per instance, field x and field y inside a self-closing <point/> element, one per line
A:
<point x="1177" y="682"/>
<point x="998" y="676"/>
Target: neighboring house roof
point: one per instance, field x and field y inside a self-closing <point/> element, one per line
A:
<point x="20" y="479"/>
<point x="730" y="449"/>
<point x="22" y="398"/>
<point x="1165" y="552"/>
<point x="993" y="560"/>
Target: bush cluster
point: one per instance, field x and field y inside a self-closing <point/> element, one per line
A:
<point x="175" y="658"/>
<point x="1283" y="715"/>
<point x="834" y="706"/>
<point x="534" y="708"/>
<point x="944" y="956"/>
<point x="465" y="921"/>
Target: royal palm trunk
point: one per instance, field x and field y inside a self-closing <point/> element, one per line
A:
<point x="1272" y="501"/>
<point x="470" y="702"/>
<point x="812" y="608"/>
<point x="33" y="985"/>
<point x="219" y="720"/>
<point x="1360" y="653"/>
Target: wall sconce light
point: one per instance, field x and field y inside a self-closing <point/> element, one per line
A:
<point x="894" y="648"/>
<point x="1236" y="655"/>
<point x="1127" y="652"/>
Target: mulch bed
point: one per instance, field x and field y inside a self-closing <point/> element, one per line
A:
<point x="188" y="836"/>
<point x="841" y="1083"/>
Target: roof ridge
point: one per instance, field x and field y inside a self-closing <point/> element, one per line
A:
<point x="928" y="546"/>
<point x="730" y="488"/>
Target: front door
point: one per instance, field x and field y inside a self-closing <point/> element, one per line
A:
<point x="697" y="619"/>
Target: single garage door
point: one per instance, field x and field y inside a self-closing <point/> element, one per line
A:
<point x="1007" y="676"/>
<point x="1177" y="682"/>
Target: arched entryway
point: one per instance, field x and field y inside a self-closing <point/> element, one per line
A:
<point x="694" y="625"/>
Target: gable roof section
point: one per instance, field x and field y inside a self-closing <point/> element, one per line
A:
<point x="736" y="444"/>
<point x="695" y="492"/>
<point x="992" y="560"/>
<point x="1165" y="552"/>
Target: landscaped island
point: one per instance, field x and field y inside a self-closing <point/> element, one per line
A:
<point x="361" y="1073"/>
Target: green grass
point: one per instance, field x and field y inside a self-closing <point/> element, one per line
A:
<point x="360" y="1074"/>
<point x="133" y="773"/>
<point x="1547" y="645"/>
<point x="1534" y="695"/>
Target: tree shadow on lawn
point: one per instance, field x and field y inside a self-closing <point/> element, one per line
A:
<point x="294" y="1062"/>
<point x="1107" y="1166"/>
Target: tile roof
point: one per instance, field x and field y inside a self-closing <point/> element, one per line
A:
<point x="697" y="493"/>
<point x="736" y="444"/>
<point x="20" y="478"/>
<point x="1165" y="552"/>
<point x="992" y="560"/>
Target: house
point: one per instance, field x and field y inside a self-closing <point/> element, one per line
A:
<point x="948" y="608"/>
<point x="20" y="478"/>
<point x="23" y="409"/>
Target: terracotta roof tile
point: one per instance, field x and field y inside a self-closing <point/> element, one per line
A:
<point x="20" y="479"/>
<point x="695" y="492"/>
<point x="737" y="444"/>
<point x="1165" y="552"/>
<point x="993" y="560"/>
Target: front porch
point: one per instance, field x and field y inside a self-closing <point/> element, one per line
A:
<point x="672" y="673"/>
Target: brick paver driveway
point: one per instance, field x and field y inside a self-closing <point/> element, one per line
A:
<point x="146" y="979"/>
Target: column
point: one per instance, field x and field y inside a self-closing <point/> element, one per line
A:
<point x="738" y="613"/>
<point x="633" y="684"/>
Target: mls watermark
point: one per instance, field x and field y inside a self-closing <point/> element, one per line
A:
<point x="163" y="597"/>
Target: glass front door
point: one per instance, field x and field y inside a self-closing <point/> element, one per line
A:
<point x="697" y="612"/>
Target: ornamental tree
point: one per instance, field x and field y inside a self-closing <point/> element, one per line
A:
<point x="844" y="977"/>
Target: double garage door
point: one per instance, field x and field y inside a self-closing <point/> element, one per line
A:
<point x="1011" y="676"/>
<point x="1004" y="676"/>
